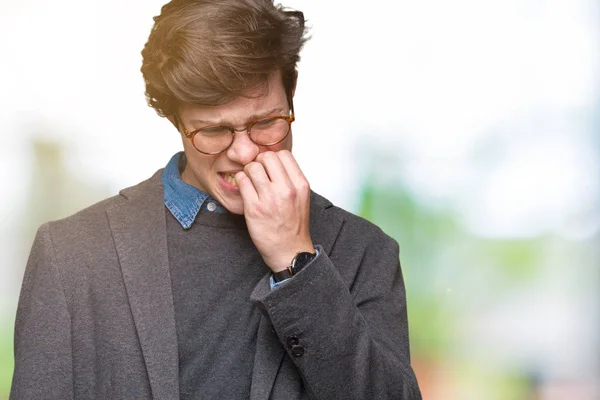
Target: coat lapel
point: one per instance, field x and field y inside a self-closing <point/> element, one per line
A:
<point x="325" y="227"/>
<point x="138" y="225"/>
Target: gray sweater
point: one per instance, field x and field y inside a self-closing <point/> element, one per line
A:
<point x="214" y="268"/>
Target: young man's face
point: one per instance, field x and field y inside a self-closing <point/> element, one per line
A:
<point x="212" y="173"/>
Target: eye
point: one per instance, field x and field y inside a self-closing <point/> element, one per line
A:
<point x="265" y="123"/>
<point x="214" y="131"/>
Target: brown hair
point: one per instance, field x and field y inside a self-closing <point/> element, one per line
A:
<point x="208" y="52"/>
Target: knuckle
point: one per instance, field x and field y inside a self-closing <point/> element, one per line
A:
<point x="304" y="186"/>
<point x="258" y="209"/>
<point x="286" y="155"/>
<point x="250" y="167"/>
<point x="267" y="156"/>
<point x="240" y="176"/>
<point x="288" y="193"/>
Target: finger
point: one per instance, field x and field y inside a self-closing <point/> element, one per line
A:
<point x="292" y="168"/>
<point x="247" y="190"/>
<point x="274" y="167"/>
<point x="257" y="174"/>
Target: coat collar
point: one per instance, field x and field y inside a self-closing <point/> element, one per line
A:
<point x="138" y="226"/>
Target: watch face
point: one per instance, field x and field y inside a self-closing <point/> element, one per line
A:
<point x="301" y="260"/>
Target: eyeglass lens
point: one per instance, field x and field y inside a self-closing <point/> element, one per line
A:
<point x="265" y="132"/>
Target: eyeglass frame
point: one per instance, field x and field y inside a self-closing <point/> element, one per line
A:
<point x="190" y="135"/>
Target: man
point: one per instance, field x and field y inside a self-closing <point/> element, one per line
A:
<point x="222" y="276"/>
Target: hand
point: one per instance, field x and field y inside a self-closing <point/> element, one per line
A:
<point x="276" y="199"/>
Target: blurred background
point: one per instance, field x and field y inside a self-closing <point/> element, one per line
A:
<point x="468" y="130"/>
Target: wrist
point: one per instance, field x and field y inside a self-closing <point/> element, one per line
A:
<point x="284" y="260"/>
<point x="300" y="260"/>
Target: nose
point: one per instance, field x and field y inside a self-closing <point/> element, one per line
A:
<point x="242" y="150"/>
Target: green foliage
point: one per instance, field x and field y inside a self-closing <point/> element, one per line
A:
<point x="519" y="259"/>
<point x="421" y="233"/>
<point x="444" y="264"/>
<point x="6" y="360"/>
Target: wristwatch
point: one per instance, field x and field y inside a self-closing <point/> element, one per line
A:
<point x="299" y="261"/>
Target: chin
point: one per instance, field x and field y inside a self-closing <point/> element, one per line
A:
<point x="234" y="207"/>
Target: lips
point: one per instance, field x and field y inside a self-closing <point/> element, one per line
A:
<point x="229" y="178"/>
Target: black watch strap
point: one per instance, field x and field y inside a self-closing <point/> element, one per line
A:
<point x="299" y="261"/>
<point x="282" y="275"/>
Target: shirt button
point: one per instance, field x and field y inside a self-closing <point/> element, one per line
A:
<point x="292" y="341"/>
<point x="297" y="350"/>
<point x="211" y="206"/>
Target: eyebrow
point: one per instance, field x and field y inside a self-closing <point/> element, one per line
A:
<point x="254" y="117"/>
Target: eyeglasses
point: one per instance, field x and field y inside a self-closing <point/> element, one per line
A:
<point x="215" y="139"/>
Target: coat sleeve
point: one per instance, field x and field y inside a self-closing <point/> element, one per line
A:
<point x="43" y="356"/>
<point x="348" y="336"/>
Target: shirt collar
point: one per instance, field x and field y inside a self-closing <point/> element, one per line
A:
<point x="184" y="201"/>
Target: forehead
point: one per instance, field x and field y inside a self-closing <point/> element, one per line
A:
<point x="268" y="97"/>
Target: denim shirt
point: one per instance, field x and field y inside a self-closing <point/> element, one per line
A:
<point x="185" y="201"/>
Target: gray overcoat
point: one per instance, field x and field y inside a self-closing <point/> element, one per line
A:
<point x="96" y="318"/>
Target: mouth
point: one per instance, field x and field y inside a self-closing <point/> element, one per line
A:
<point x="229" y="178"/>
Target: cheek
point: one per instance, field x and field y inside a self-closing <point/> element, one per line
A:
<point x="188" y="148"/>
<point x="205" y="163"/>
<point x="200" y="164"/>
<point x="285" y="145"/>
<point x="288" y="142"/>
